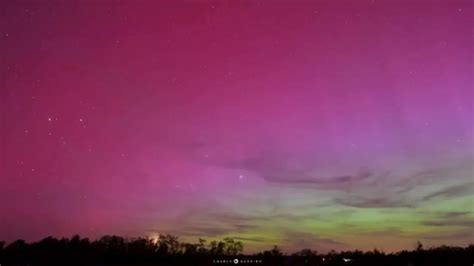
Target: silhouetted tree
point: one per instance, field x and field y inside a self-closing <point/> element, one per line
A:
<point x="231" y="247"/>
<point x="216" y="248"/>
<point x="276" y="252"/>
<point x="168" y="244"/>
<point x="306" y="253"/>
<point x="202" y="247"/>
<point x="141" y="248"/>
<point x="419" y="246"/>
<point x="17" y="250"/>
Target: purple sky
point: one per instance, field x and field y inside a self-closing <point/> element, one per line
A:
<point x="319" y="124"/>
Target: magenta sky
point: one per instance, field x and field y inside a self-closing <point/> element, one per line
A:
<point x="319" y="125"/>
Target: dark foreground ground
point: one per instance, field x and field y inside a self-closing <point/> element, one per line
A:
<point x="409" y="258"/>
<point x="168" y="251"/>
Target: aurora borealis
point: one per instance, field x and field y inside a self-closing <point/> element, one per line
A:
<point x="324" y="125"/>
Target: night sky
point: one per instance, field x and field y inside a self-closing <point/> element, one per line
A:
<point x="316" y="125"/>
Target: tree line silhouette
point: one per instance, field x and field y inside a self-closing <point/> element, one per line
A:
<point x="168" y="250"/>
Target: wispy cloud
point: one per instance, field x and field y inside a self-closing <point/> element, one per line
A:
<point x="373" y="202"/>
<point x="301" y="240"/>
<point x="464" y="234"/>
<point x="364" y="187"/>
<point x="453" y="191"/>
<point x="250" y="239"/>
<point x="449" y="219"/>
<point x="279" y="169"/>
<point x="453" y="222"/>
